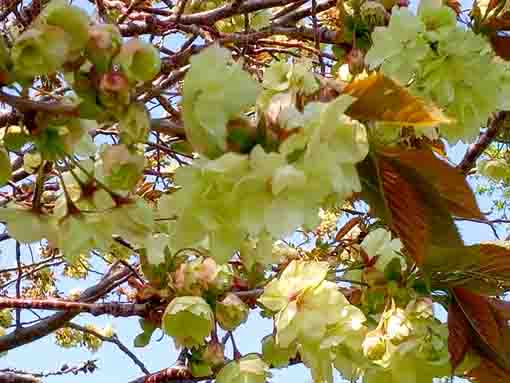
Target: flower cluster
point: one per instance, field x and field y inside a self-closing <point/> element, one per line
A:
<point x="452" y="66"/>
<point x="237" y="196"/>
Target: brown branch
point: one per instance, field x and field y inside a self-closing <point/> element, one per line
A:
<point x="178" y="374"/>
<point x="9" y="8"/>
<point x="290" y="8"/>
<point x="18" y="282"/>
<point x="85" y="367"/>
<point x="294" y="17"/>
<point x="46" y="326"/>
<point x="168" y="127"/>
<point x="114" y="309"/>
<point x="115" y="340"/>
<point x="11" y="117"/>
<point x="476" y="150"/>
<point x="158" y="27"/>
<point x="24" y="105"/>
<point x="8" y="377"/>
<point x="181" y="374"/>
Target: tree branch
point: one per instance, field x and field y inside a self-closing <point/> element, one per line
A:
<point x="178" y="374"/>
<point x="475" y="150"/>
<point x="20" y="337"/>
<point x="115" y="340"/>
<point x="8" y="377"/>
<point x="205" y="17"/>
<point x="85" y="367"/>
<point x="114" y="309"/>
<point x="25" y="105"/>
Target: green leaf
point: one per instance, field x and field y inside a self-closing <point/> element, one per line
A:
<point x="393" y="270"/>
<point x="142" y="340"/>
<point x="15" y="138"/>
<point x="5" y="166"/>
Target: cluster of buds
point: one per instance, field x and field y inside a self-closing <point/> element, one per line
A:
<point x="122" y="166"/>
<point x="231" y="312"/>
<point x="199" y="275"/>
<point x="374" y="13"/>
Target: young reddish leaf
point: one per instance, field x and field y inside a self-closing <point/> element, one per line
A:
<point x="379" y="98"/>
<point x="501" y="23"/>
<point x="455" y="5"/>
<point x="459" y="335"/>
<point x="494" y="264"/>
<point x="406" y="208"/>
<point x="488" y="331"/>
<point x="447" y="179"/>
<point x="409" y="204"/>
<point x="502" y="308"/>
<point x="501" y="45"/>
<point x="483" y="268"/>
<point x="488" y="372"/>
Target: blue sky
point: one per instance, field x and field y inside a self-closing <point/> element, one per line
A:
<point x="114" y="366"/>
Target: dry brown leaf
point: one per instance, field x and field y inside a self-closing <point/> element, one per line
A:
<point x="407" y="211"/>
<point x="459" y="335"/>
<point x="448" y="180"/>
<point x="379" y="98"/>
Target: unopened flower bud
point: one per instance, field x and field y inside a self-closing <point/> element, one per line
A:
<point x="231" y="312"/>
<point x="373" y="13"/>
<point x="374" y="277"/>
<point x="356" y="61"/>
<point x="104" y="43"/>
<point x="114" y="92"/>
<point x="138" y="60"/>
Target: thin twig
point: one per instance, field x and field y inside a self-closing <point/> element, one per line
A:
<point x="112" y="339"/>
<point x="18" y="283"/>
<point x="316" y="37"/>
